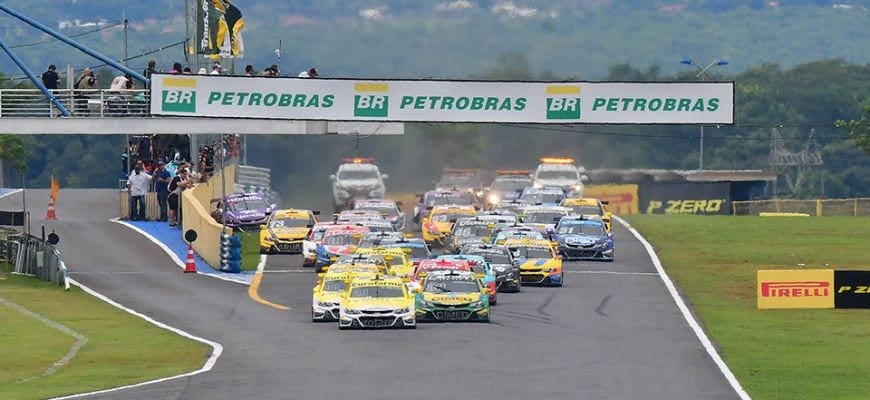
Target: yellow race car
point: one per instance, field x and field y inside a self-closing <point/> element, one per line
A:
<point x="331" y="287"/>
<point x="538" y="261"/>
<point x="440" y="222"/>
<point x="285" y="230"/>
<point x="399" y="264"/>
<point x="589" y="206"/>
<point x="378" y="302"/>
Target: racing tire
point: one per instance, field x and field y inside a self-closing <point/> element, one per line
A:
<point x="318" y="269"/>
<point x="561" y="280"/>
<point x="493" y="299"/>
<point x="342" y="327"/>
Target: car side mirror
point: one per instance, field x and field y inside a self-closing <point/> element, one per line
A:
<point x="332" y="177"/>
<point x="605" y="202"/>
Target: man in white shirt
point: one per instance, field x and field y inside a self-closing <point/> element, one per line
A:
<point x="311" y="73"/>
<point x="137" y="186"/>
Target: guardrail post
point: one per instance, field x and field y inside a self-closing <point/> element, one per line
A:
<point x="818" y="207"/>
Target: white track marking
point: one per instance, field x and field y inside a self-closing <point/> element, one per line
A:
<point x="80" y="339"/>
<point x="174" y="256"/>
<point x="699" y="332"/>
<point x="217" y="348"/>
<point x="285" y="271"/>
<point x="611" y="273"/>
<point x="262" y="264"/>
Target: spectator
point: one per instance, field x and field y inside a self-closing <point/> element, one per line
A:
<point x="311" y="73"/>
<point x="85" y="82"/>
<point x="216" y="69"/>
<point x="161" y="179"/>
<point x="186" y="71"/>
<point x="249" y="70"/>
<point x="173" y="200"/>
<point x="152" y="65"/>
<point x="202" y="71"/>
<point x="50" y="79"/>
<point x="137" y="187"/>
<point x="176" y="68"/>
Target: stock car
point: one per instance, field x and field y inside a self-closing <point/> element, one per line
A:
<point x="356" y="179"/>
<point x="507" y="185"/>
<point x="583" y="238"/>
<point x="542" y="196"/>
<point x="538" y="261"/>
<point x="416" y="248"/>
<point x="480" y="267"/>
<point x="358" y="264"/>
<point x="434" y="198"/>
<point x="315" y="237"/>
<point x="507" y="274"/>
<point x="468" y="231"/>
<point x="242" y="210"/>
<point x="337" y="241"/>
<point x="522" y="232"/>
<point x="506" y="207"/>
<point x="387" y="207"/>
<point x="440" y="222"/>
<point x="375" y="239"/>
<point x="561" y="173"/>
<point x="379" y="302"/>
<point x="452" y="296"/>
<point x="398" y="263"/>
<point x="424" y="267"/>
<point x="544" y="217"/>
<point x="285" y="231"/>
<point x="328" y="291"/>
<point x="589" y="206"/>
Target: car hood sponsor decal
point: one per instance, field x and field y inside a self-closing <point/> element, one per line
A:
<point x="296" y="232"/>
<point x="375" y="304"/>
<point x="452" y="298"/>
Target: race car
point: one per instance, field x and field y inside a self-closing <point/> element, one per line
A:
<point x="542" y="196"/>
<point x="468" y="231"/>
<point x="538" y="262"/>
<point x="481" y="267"/>
<point x="440" y="222"/>
<point x="379" y="302"/>
<point x="358" y="264"/>
<point x="544" y="217"/>
<point x="315" y="237"/>
<point x="582" y="238"/>
<point x="355" y="216"/>
<point x="388" y="208"/>
<point x="453" y="296"/>
<point x="561" y="173"/>
<point x="374" y="239"/>
<point x="460" y="179"/>
<point x="356" y="179"/>
<point x="426" y="266"/>
<point x="507" y="274"/>
<point x="328" y="291"/>
<point x="285" y="230"/>
<point x="415" y="247"/>
<point x="506" y="207"/>
<point x="398" y="263"/>
<point x="337" y="241"/>
<point x="507" y="185"/>
<point x="503" y="233"/>
<point x="589" y="206"/>
<point x="434" y="198"/>
<point x="242" y="210"/>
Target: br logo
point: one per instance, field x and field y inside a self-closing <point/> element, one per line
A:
<point x="563" y="102"/>
<point x="179" y="95"/>
<point x="371" y="100"/>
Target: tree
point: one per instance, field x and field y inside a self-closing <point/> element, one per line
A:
<point x="859" y="130"/>
<point x="13" y="153"/>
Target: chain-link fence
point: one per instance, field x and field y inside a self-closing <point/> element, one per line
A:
<point x="30" y="255"/>
<point x="858" y="207"/>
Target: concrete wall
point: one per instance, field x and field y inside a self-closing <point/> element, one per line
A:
<point x="196" y="208"/>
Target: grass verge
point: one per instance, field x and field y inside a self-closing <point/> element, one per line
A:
<point x="250" y="250"/>
<point x="121" y="349"/>
<point x="775" y="354"/>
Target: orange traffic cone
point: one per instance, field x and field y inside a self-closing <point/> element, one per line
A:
<point x="50" y="214"/>
<point x="190" y="266"/>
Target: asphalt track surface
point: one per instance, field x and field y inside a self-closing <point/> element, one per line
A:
<point x="612" y="332"/>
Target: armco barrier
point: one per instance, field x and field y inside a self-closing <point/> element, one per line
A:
<point x="857" y="207"/>
<point x="196" y="208"/>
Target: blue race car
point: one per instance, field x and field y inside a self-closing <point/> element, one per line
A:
<point x="582" y="238"/>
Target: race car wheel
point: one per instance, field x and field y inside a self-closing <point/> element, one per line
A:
<point x="318" y="269"/>
<point x="493" y="299"/>
<point x="561" y="280"/>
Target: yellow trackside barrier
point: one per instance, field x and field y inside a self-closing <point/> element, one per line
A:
<point x="857" y="207"/>
<point x="196" y="208"/>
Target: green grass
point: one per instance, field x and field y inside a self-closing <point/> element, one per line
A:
<point x="250" y="250"/>
<point x="121" y="349"/>
<point x="775" y="354"/>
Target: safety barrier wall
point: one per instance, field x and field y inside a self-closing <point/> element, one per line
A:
<point x="857" y="207"/>
<point x="196" y="213"/>
<point x="32" y="256"/>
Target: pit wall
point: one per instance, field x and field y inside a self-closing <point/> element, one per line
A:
<point x="196" y="208"/>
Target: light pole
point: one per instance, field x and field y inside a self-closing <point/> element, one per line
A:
<point x="702" y="73"/>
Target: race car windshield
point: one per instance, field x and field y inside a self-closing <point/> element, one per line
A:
<point x="462" y="199"/>
<point x="531" y="252"/>
<point x="511" y="183"/>
<point x="558" y="174"/>
<point x="588" y="210"/>
<point x="246" y="204"/>
<point x="471" y="231"/>
<point x="542" y="197"/>
<point x="448" y="217"/>
<point x="576" y="229"/>
<point x="341" y="239"/>
<point x="542" y="217"/>
<point x="318" y="233"/>
<point x="289" y="223"/>
<point x="451" y="286"/>
<point x="378" y="292"/>
<point x="334" y="285"/>
<point x="383" y="209"/>
<point x="492" y="258"/>
<point x="357" y="174"/>
<point x="377" y="240"/>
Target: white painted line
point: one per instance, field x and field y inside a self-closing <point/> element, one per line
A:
<point x="217" y="348"/>
<point x="284" y="271"/>
<point x="612" y="273"/>
<point x="262" y="264"/>
<point x="80" y="339"/>
<point x="174" y="256"/>
<point x="699" y="332"/>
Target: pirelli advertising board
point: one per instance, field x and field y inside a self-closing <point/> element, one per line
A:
<point x="443" y="100"/>
<point x="685" y="198"/>
<point x="820" y="288"/>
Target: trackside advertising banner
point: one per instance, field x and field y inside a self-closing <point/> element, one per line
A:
<point x="820" y="288"/>
<point x="443" y="101"/>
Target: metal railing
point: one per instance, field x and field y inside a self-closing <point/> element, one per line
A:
<point x="32" y="256"/>
<point x="858" y="207"/>
<point x="32" y="103"/>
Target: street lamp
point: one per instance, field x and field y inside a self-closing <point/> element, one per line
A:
<point x="702" y="73"/>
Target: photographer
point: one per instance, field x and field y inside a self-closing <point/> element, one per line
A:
<point x="84" y="83"/>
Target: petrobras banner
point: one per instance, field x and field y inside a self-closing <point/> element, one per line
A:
<point x="443" y="101"/>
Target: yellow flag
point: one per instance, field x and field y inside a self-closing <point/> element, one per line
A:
<point x="55" y="187"/>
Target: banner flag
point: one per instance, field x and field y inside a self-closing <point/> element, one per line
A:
<point x="55" y="188"/>
<point x="219" y="25"/>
